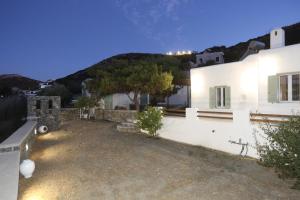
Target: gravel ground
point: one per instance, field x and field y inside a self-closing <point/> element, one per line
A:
<point x="91" y="160"/>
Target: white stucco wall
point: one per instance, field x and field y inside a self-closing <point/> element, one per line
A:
<point x="180" y="98"/>
<point x="212" y="133"/>
<point x="248" y="80"/>
<point x="121" y="99"/>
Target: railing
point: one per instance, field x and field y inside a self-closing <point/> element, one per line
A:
<point x="269" y="118"/>
<point x="215" y="115"/>
<point x="174" y="112"/>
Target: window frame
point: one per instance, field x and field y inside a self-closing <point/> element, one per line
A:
<point x="289" y="87"/>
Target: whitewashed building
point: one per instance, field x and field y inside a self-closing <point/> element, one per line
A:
<point x="207" y="56"/>
<point x="229" y="101"/>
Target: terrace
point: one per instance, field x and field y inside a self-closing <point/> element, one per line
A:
<point x="91" y="160"/>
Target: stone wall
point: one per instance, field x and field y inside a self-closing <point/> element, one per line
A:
<point x="46" y="109"/>
<point x="68" y="114"/>
<point x="116" y="115"/>
<point x="100" y="114"/>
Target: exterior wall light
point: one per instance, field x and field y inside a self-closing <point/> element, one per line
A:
<point x="27" y="168"/>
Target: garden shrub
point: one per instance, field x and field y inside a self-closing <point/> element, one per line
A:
<point x="282" y="150"/>
<point x="150" y="120"/>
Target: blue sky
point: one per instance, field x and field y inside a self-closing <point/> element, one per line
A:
<point x="46" y="39"/>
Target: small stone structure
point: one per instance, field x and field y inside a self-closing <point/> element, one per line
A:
<point x="46" y="109"/>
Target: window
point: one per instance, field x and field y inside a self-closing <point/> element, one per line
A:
<point x="275" y="33"/>
<point x="38" y="104"/>
<point x="217" y="59"/>
<point x="220" y="97"/>
<point x="50" y="104"/>
<point x="289" y="87"/>
<point x="296" y="87"/>
<point x="201" y="60"/>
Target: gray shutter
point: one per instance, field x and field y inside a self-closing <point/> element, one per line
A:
<point x="273" y="83"/>
<point x="212" y="97"/>
<point x="227" y="97"/>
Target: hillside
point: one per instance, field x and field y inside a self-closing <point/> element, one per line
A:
<point x="8" y="81"/>
<point x="231" y="54"/>
<point x="176" y="64"/>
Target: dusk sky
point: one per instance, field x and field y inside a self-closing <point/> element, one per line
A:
<point x="45" y="39"/>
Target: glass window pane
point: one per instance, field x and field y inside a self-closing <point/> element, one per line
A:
<point x="218" y="97"/>
<point x="284" y="88"/>
<point x="296" y="87"/>
<point x="223" y="97"/>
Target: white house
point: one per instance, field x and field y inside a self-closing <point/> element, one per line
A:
<point x="228" y="101"/>
<point x="206" y="56"/>
<point x="46" y="84"/>
<point x="115" y="100"/>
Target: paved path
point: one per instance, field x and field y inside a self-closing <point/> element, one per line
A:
<point x="90" y="160"/>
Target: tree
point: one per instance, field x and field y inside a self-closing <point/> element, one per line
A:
<point x="134" y="79"/>
<point x="58" y="90"/>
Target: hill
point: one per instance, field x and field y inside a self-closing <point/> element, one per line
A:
<point x="176" y="64"/>
<point x="8" y="81"/>
<point x="231" y="54"/>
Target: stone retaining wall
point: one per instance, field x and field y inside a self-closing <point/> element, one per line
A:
<point x="100" y="114"/>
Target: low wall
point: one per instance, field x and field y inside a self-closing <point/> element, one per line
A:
<point x="213" y="133"/>
<point x="100" y="114"/>
<point x="12" y="151"/>
<point x="19" y="139"/>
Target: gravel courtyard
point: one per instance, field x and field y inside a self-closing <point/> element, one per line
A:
<point x="91" y="160"/>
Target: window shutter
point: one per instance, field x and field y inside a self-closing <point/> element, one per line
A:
<point x="212" y="97"/>
<point x="273" y="89"/>
<point x="227" y="97"/>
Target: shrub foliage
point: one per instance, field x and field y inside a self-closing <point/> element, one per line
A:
<point x="282" y="150"/>
<point x="150" y="120"/>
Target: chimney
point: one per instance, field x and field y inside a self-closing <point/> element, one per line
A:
<point x="277" y="38"/>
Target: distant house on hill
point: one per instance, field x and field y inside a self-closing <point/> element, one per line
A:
<point x="46" y="84"/>
<point x="206" y="57"/>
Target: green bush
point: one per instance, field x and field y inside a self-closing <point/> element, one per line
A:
<point x="282" y="150"/>
<point x="150" y="120"/>
<point x="85" y="102"/>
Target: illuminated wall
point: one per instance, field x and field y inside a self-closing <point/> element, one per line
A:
<point x="248" y="79"/>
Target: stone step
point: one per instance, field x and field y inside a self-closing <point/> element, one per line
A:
<point x="127" y="129"/>
<point x="128" y="124"/>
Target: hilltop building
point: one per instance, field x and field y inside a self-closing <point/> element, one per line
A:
<point x="206" y="57"/>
